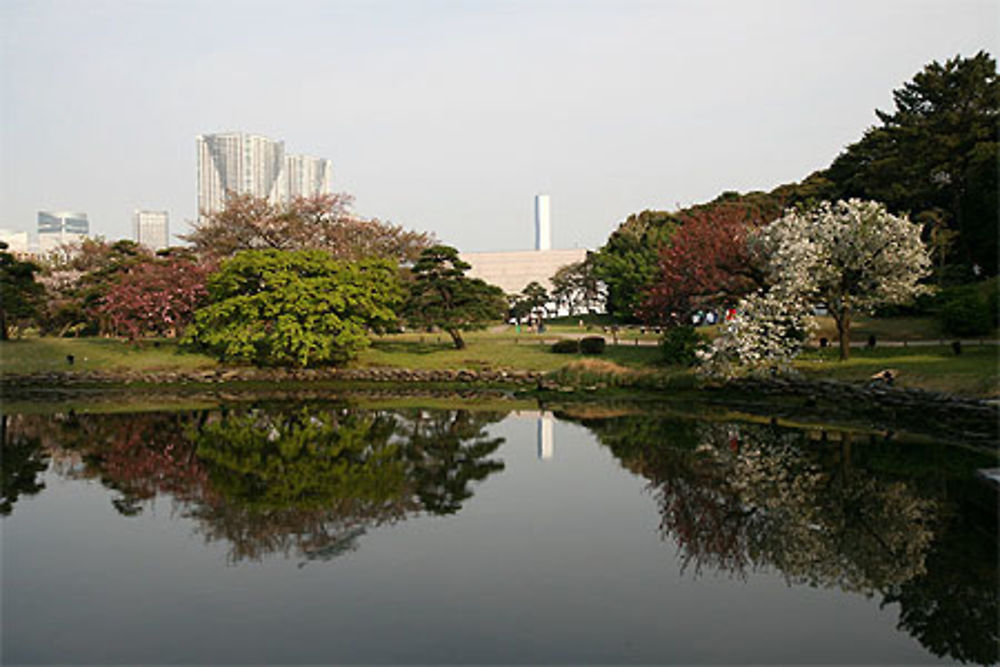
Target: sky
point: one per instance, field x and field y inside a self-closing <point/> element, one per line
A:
<point x="449" y="116"/>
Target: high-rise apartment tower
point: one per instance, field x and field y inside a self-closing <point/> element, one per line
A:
<point x="151" y="229"/>
<point x="253" y="164"/>
<point x="304" y="176"/>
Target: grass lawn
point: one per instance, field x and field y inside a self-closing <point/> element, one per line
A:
<point x="34" y="355"/>
<point x="488" y="349"/>
<point x="892" y="328"/>
<point x="973" y="372"/>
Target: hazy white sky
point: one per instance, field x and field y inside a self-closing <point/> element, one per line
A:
<point x="450" y="116"/>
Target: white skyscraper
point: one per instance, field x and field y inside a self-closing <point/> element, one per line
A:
<point x="58" y="227"/>
<point x="305" y="176"/>
<point x="543" y="223"/>
<point x="151" y="229"/>
<point x="236" y="162"/>
<point x="253" y="164"/>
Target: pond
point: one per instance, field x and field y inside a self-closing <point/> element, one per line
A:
<point x="319" y="531"/>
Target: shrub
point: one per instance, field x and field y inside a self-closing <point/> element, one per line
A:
<point x="566" y="346"/>
<point x="592" y="345"/>
<point x="592" y="371"/>
<point x="680" y="345"/>
<point x="965" y="312"/>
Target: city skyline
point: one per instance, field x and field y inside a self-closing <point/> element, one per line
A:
<point x="246" y="163"/>
<point x="447" y="117"/>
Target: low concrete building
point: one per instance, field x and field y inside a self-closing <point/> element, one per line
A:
<point x="512" y="271"/>
<point x="17" y="241"/>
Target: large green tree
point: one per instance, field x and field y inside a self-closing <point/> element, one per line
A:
<point x="441" y="295"/>
<point x="627" y="264"/>
<point x="935" y="155"/>
<point x="20" y="295"/>
<point x="274" y="307"/>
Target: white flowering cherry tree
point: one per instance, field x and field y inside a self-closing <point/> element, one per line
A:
<point x="849" y="257"/>
<point x="767" y="331"/>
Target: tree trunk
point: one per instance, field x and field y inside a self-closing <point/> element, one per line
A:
<point x="843" y="319"/>
<point x="456" y="337"/>
<point x="3" y="324"/>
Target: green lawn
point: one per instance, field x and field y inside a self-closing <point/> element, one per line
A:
<point x="488" y="349"/>
<point x="974" y="372"/>
<point x="34" y="355"/>
<point x="892" y="328"/>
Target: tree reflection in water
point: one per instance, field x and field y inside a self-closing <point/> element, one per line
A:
<point x="22" y="460"/>
<point x="905" y="521"/>
<point x="307" y="480"/>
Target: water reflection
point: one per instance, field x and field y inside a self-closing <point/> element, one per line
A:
<point x="303" y="480"/>
<point x="899" y="520"/>
<point x="22" y="462"/>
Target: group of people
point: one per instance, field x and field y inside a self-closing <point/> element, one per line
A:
<point x="710" y="317"/>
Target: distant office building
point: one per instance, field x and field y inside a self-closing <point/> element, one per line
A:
<point x="57" y="228"/>
<point x="17" y="242"/>
<point x="151" y="229"/>
<point x="256" y="165"/>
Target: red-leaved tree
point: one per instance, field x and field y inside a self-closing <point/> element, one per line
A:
<point x="706" y="264"/>
<point x="155" y="298"/>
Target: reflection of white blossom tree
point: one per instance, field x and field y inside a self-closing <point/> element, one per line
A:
<point x="752" y="498"/>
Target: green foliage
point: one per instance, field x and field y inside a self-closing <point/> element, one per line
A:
<point x="303" y="308"/>
<point x="627" y="263"/>
<point x="592" y="345"/>
<point x="679" y="345"/>
<point x="969" y="310"/>
<point x="935" y="153"/>
<point x="566" y="346"/>
<point x="535" y="297"/>
<point x="442" y="296"/>
<point x="20" y="295"/>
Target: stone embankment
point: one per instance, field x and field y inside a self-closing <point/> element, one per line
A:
<point x="960" y="418"/>
<point x="98" y="378"/>
<point x="952" y="417"/>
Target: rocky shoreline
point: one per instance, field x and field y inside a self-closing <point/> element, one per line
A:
<point x="97" y="378"/>
<point x="962" y="418"/>
<point x="948" y="416"/>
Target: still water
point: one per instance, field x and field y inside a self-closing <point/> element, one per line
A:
<point x="319" y="532"/>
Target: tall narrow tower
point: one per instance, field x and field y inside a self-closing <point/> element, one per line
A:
<point x="543" y="223"/>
